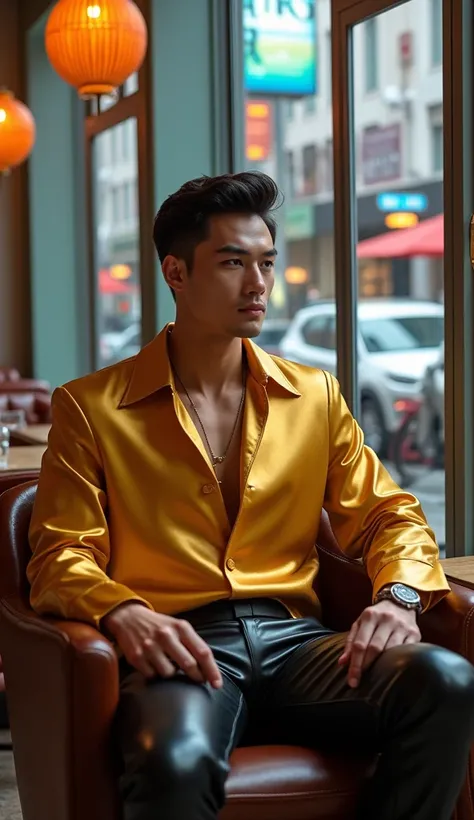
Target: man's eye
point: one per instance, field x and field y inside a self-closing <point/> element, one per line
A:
<point x="233" y="262"/>
<point x="269" y="264"/>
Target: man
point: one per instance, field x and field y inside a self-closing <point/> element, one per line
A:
<point x="177" y="510"/>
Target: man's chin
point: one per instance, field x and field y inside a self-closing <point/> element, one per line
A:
<point x="248" y="332"/>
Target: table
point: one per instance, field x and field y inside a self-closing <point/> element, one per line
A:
<point x="33" y="434"/>
<point x="460" y="570"/>
<point x="24" y="458"/>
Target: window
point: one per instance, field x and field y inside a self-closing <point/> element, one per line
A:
<point x="130" y="207"/>
<point x="436" y="32"/>
<point x="400" y="318"/>
<point x="310" y="184"/>
<point x="328" y="39"/>
<point x="329" y="181"/>
<point x="130" y="86"/>
<point x="371" y="55"/>
<point x="116" y="203"/>
<point x="320" y="331"/>
<point x="437" y="147"/>
<point x="304" y="268"/>
<point x="290" y="166"/>
<point x="393" y="335"/>
<point x="116" y="246"/>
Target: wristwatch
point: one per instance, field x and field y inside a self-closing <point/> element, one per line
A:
<point x="401" y="595"/>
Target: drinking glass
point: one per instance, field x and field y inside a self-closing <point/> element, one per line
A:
<point x="13" y="419"/>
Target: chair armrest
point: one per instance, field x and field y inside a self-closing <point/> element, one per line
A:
<point x="62" y="683"/>
<point x="343" y="588"/>
<point x="451" y="622"/>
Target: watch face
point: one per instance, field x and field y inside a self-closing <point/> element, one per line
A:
<point x="405" y="594"/>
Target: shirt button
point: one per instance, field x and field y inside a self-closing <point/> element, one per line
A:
<point x="230" y="564"/>
<point x="208" y="488"/>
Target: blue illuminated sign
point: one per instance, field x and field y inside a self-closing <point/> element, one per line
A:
<point x="280" y="47"/>
<point x="394" y="201"/>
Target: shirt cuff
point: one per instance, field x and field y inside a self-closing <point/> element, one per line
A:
<point x="101" y="600"/>
<point x="429" y="581"/>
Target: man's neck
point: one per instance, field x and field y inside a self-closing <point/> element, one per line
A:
<point x="205" y="364"/>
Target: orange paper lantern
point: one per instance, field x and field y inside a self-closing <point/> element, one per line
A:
<point x="96" y="46"/>
<point x="17" y="131"/>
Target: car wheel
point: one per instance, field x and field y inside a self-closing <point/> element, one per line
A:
<point x="373" y="425"/>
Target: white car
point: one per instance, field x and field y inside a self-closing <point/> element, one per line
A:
<point x="397" y="340"/>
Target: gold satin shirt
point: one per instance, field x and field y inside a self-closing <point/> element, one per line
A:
<point x="128" y="506"/>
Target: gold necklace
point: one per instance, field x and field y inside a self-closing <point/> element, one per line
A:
<point x="216" y="459"/>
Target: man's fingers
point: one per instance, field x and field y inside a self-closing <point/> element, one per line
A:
<point x="171" y="651"/>
<point x="202" y="654"/>
<point x="348" y="644"/>
<point x="379" y="642"/>
<point x="137" y="658"/>
<point x="366" y="628"/>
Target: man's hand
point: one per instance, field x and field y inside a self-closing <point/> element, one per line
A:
<point x="159" y="644"/>
<point x="380" y="627"/>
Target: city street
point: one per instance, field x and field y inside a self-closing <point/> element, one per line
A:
<point x="428" y="487"/>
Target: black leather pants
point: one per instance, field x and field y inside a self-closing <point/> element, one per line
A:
<point x="414" y="706"/>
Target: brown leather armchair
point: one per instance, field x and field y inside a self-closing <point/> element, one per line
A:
<point x="63" y="688"/>
<point x="31" y="395"/>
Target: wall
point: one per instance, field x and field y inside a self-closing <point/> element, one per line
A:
<point x="183" y="104"/>
<point x="15" y="341"/>
<point x="58" y="268"/>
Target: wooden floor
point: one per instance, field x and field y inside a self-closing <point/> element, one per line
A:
<point x="9" y="803"/>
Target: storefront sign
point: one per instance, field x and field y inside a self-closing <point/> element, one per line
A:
<point x="396" y="201"/>
<point x="299" y="222"/>
<point x="259" y="130"/>
<point x="280" y="47"/>
<point x="381" y="154"/>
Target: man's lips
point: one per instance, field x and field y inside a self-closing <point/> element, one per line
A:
<point x="253" y="309"/>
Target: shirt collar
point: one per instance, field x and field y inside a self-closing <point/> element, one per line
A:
<point x="152" y="370"/>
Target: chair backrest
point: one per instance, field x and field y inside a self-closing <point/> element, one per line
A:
<point x="9" y="374"/>
<point x="16" y="505"/>
<point x="326" y="537"/>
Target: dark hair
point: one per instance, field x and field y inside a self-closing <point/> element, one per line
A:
<point x="183" y="219"/>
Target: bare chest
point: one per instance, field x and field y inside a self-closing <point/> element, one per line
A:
<point x="220" y="430"/>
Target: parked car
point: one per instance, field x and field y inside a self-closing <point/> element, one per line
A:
<point x="115" y="346"/>
<point x="397" y="340"/>
<point x="271" y="335"/>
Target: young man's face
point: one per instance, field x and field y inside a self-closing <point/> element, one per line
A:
<point x="232" y="276"/>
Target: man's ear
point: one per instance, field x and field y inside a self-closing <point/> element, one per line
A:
<point x="174" y="272"/>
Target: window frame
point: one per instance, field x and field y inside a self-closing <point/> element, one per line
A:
<point x="136" y="105"/>
<point x="458" y="205"/>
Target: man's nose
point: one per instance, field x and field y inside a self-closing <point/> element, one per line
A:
<point x="255" y="280"/>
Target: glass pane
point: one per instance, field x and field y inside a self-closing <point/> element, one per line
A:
<point x="288" y="115"/>
<point x="398" y="139"/>
<point x="130" y="86"/>
<point x="117" y="251"/>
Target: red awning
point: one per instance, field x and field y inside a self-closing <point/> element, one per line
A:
<point x="109" y="285"/>
<point x="425" y="239"/>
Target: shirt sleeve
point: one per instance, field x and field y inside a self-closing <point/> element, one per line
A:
<point x="372" y="518"/>
<point x="68" y="534"/>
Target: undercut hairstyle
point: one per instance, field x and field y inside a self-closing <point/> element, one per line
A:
<point x="182" y="222"/>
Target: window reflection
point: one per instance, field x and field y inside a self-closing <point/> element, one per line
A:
<point x="398" y="149"/>
<point x="117" y="259"/>
<point x="288" y="83"/>
<point x="398" y="200"/>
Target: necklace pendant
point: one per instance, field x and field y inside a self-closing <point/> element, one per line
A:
<point x="217" y="460"/>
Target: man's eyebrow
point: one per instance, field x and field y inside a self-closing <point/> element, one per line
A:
<point x="243" y="252"/>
